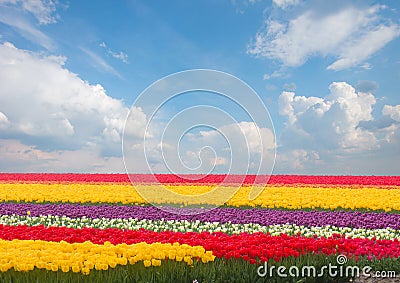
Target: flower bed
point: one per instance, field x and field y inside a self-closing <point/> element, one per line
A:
<point x="82" y="227"/>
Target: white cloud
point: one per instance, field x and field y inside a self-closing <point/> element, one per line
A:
<point x="136" y="124"/>
<point x="122" y="56"/>
<point x="266" y="77"/>
<point x="245" y="143"/>
<point x="363" y="47"/>
<point x="338" y="134"/>
<point x="42" y="10"/>
<point x="392" y="111"/>
<point x="258" y="139"/>
<point x="366" y="66"/>
<point x="24" y="16"/>
<point x="348" y="32"/>
<point x="52" y="110"/>
<point x="291" y="105"/>
<point x="283" y="4"/>
<point x="331" y="121"/>
<point x="298" y="160"/>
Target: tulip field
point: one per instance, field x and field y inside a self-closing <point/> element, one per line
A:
<point x="98" y="228"/>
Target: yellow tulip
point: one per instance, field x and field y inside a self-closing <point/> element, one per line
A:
<point x="291" y="197"/>
<point x="54" y="267"/>
<point x="147" y="263"/>
<point x="155" y="262"/>
<point x="75" y="268"/>
<point x="83" y="257"/>
<point x="85" y="271"/>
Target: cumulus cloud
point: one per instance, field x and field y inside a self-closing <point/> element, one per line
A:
<point x="347" y="32"/>
<point x="331" y="132"/>
<point x="333" y="120"/>
<point x="45" y="106"/>
<point x="136" y="124"/>
<point x="392" y="111"/>
<point x="42" y="98"/>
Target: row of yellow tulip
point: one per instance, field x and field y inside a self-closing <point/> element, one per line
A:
<point x="25" y="255"/>
<point x="290" y="197"/>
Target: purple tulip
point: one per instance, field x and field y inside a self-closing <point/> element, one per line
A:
<point x="265" y="217"/>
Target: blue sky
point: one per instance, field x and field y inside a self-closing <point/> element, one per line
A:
<point x="327" y="72"/>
